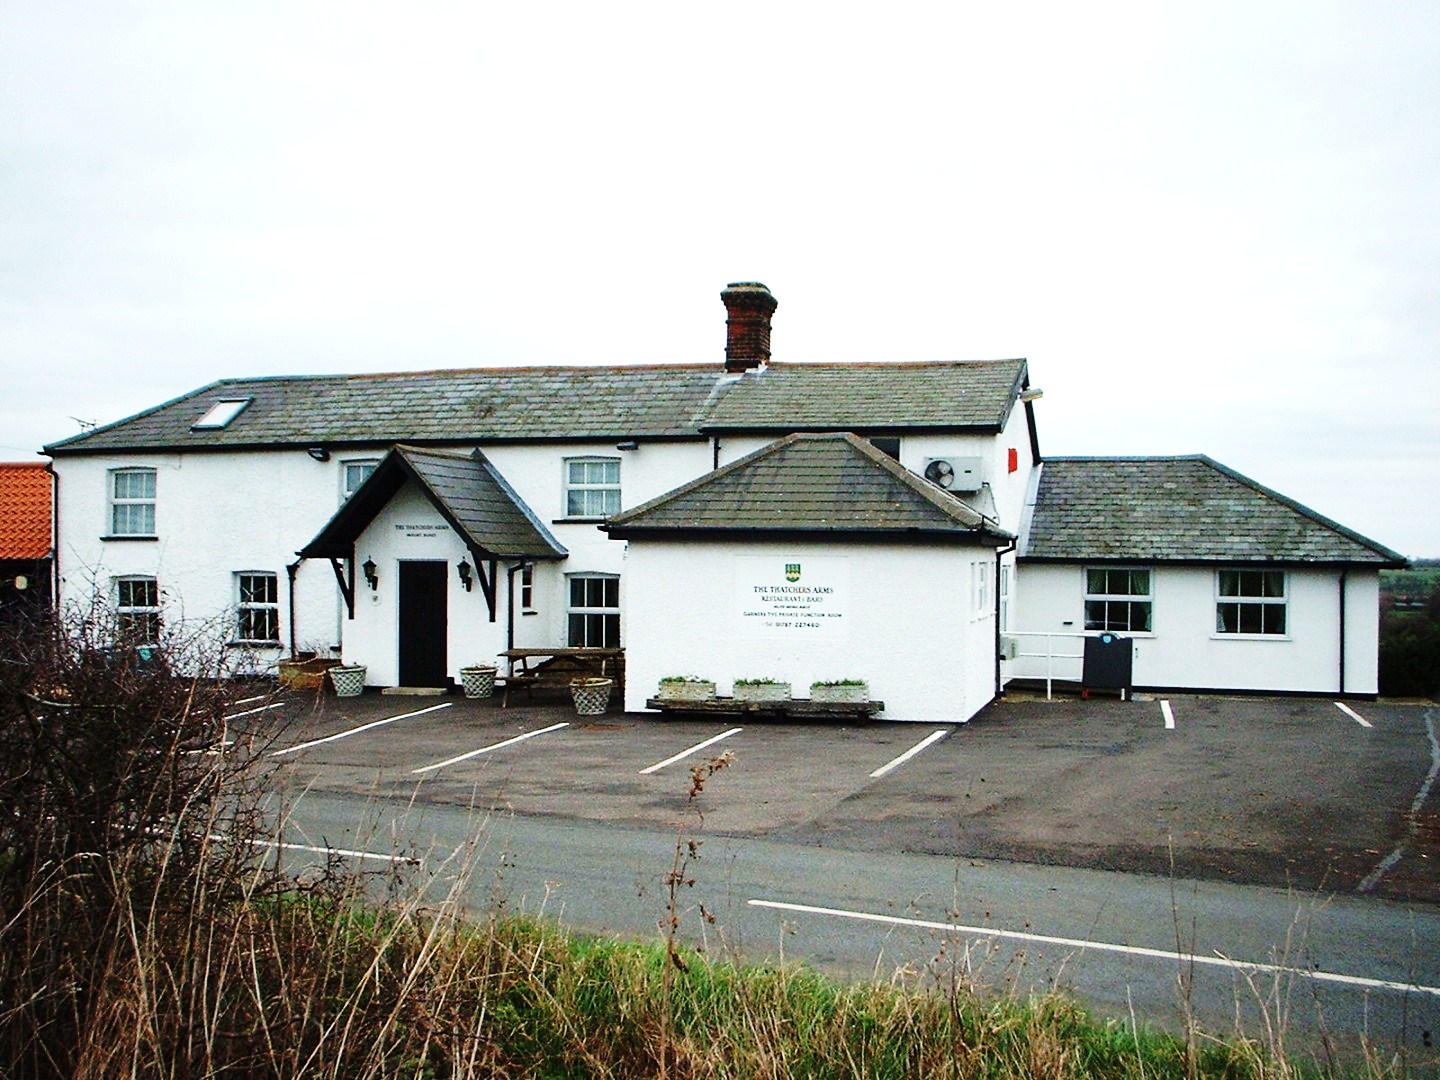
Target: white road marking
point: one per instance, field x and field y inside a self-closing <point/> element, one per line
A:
<point x="1373" y="878"/>
<point x="1353" y="714"/>
<point x="252" y="712"/>
<point x="346" y="852"/>
<point x="216" y="750"/>
<point x="486" y="749"/>
<point x="356" y="731"/>
<point x="693" y="750"/>
<point x="933" y="737"/>
<point x="1169" y="715"/>
<point x="1102" y="946"/>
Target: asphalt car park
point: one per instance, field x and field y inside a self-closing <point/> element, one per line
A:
<point x="1283" y="791"/>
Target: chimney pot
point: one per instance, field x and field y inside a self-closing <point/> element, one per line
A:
<point x="748" y="307"/>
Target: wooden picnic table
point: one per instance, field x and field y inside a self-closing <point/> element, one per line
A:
<point x="557" y="665"/>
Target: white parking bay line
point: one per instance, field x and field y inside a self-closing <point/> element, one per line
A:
<point x="692" y="750"/>
<point x="252" y="712"/>
<point x="933" y="737"/>
<point x="1353" y="714"/>
<point x="486" y="749"/>
<point x="1169" y="715"/>
<point x="1101" y="946"/>
<point x="357" y="730"/>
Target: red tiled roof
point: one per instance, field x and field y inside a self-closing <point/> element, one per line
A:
<point x="25" y="504"/>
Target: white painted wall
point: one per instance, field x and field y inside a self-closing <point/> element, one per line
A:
<point x="908" y="625"/>
<point x="217" y="513"/>
<point x="1183" y="649"/>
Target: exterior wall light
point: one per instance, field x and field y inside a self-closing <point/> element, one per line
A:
<point x="319" y="453"/>
<point x="628" y="444"/>
<point x="465" y="571"/>
<point x="371" y="578"/>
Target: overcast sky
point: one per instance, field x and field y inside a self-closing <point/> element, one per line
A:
<point x="1210" y="227"/>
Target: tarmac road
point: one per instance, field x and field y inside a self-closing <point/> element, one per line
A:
<point x="1120" y="941"/>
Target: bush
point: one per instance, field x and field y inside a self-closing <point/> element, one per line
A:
<point x="114" y="785"/>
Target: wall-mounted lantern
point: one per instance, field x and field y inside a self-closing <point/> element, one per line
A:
<point x="319" y="453"/>
<point x="466" y="571"/>
<point x="371" y="578"/>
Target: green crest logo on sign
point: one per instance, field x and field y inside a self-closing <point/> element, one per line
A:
<point x="792" y="571"/>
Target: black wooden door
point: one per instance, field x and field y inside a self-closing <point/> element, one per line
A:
<point x="422" y="624"/>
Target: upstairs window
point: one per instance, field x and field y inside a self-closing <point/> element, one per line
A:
<point x="137" y="610"/>
<point x="592" y="487"/>
<point x="594" y="611"/>
<point x="257" y="607"/>
<point x="132" y="502"/>
<point x="1250" y="602"/>
<point x="1117" y="599"/>
<point x="355" y="473"/>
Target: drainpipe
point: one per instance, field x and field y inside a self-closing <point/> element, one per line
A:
<point x="54" y="538"/>
<point x="510" y="603"/>
<point x="291" y="569"/>
<point x="999" y="553"/>
<point x="1344" y="573"/>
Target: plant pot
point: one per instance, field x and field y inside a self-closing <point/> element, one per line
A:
<point x="305" y="673"/>
<point x="348" y="680"/>
<point x="775" y="691"/>
<point x="691" y="690"/>
<point x="479" y="681"/>
<point x="591" y="696"/>
<point x="849" y="693"/>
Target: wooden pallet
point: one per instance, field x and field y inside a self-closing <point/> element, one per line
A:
<point x="793" y="709"/>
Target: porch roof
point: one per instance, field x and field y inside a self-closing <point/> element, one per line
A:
<point x="466" y="489"/>
<point x="834" y="483"/>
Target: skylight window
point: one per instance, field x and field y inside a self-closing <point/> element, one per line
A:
<point x="220" y="414"/>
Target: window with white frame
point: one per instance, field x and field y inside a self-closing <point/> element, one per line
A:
<point x="1118" y="598"/>
<point x="257" y="607"/>
<point x="980" y="589"/>
<point x="1250" y="602"/>
<point x="137" y="610"/>
<point x="1005" y="598"/>
<point x="354" y="473"/>
<point x="592" y="487"/>
<point x="594" y="612"/>
<point x="132" y="502"/>
<point x="527" y="587"/>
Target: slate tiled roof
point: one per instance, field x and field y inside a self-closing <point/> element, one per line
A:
<point x="25" y="510"/>
<point x="496" y="404"/>
<point x="847" y="397"/>
<point x="830" y="483"/>
<point x="1179" y="509"/>
<point x="467" y="490"/>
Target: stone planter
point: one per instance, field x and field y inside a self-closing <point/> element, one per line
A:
<point x="688" y="690"/>
<point x="591" y="696"/>
<point x="348" y="679"/>
<point x="851" y="692"/>
<point x="478" y="681"/>
<point x="773" y="691"/>
<point x="307" y="673"/>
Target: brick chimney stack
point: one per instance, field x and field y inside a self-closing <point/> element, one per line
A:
<point x="748" y="307"/>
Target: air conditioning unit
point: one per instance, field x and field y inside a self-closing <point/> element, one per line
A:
<point x="1009" y="647"/>
<point x="954" y="473"/>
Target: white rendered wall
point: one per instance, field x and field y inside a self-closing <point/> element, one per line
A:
<point x="215" y="514"/>
<point x="909" y="629"/>
<point x="1183" y="648"/>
